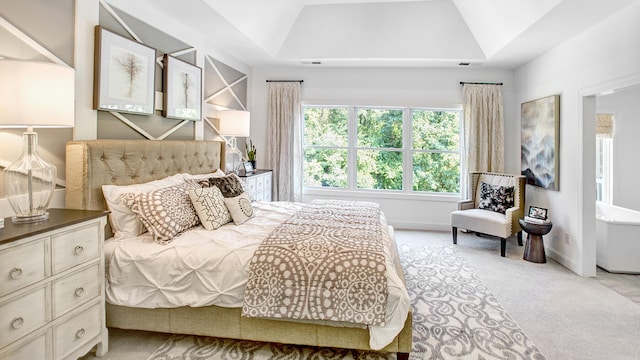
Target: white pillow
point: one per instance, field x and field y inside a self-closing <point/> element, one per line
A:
<point x="217" y="173"/>
<point x="240" y="208"/>
<point x="209" y="204"/>
<point x="124" y="223"/>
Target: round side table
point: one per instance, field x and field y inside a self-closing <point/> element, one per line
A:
<point x="534" y="248"/>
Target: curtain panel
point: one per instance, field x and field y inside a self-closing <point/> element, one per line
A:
<point x="284" y="140"/>
<point x="482" y="132"/>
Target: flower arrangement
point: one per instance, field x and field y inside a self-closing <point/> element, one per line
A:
<point x="251" y="151"/>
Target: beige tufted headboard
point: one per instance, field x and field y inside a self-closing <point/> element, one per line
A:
<point x="93" y="163"/>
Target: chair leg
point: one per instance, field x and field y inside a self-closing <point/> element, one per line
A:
<point x="454" y="231"/>
<point x="503" y="246"/>
<point x="520" y="237"/>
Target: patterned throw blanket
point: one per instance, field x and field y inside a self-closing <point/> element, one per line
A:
<point x="325" y="263"/>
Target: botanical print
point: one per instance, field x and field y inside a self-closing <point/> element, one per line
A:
<point x="128" y="75"/>
<point x="539" y="146"/>
<point x="185" y="94"/>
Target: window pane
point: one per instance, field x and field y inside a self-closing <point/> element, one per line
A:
<point x="436" y="130"/>
<point x="436" y="172"/>
<point x="325" y="167"/>
<point x="379" y="170"/>
<point x="325" y="126"/>
<point x="379" y="128"/>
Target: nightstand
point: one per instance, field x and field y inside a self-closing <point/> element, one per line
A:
<point x="52" y="296"/>
<point x="258" y="183"/>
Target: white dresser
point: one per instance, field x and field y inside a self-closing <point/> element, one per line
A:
<point x="52" y="287"/>
<point x="259" y="184"/>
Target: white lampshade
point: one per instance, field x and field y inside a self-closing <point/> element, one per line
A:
<point x="235" y="123"/>
<point x="36" y="94"/>
<point x="33" y="94"/>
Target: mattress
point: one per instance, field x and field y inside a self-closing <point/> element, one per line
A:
<point x="201" y="268"/>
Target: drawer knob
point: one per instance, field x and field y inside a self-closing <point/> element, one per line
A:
<point x="79" y="291"/>
<point x="17" y="323"/>
<point x="79" y="333"/>
<point x="78" y="250"/>
<point x="15" y="273"/>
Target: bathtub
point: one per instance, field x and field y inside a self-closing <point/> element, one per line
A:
<point x="617" y="239"/>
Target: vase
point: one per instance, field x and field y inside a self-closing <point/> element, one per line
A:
<point x="253" y="164"/>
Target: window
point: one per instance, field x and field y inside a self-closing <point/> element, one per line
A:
<point x="604" y="156"/>
<point x="378" y="148"/>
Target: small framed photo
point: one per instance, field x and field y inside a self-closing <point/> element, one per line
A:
<point x="537" y="212"/>
<point x="182" y="89"/>
<point x="124" y="74"/>
<point x="248" y="168"/>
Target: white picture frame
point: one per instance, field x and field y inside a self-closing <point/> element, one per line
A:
<point x="182" y="89"/>
<point x="124" y="74"/>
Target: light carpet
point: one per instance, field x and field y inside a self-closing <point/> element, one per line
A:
<point x="454" y="317"/>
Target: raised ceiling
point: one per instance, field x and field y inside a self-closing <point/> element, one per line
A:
<point x="497" y="33"/>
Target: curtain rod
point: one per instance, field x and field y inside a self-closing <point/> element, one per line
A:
<point x="478" y="83"/>
<point x="300" y="81"/>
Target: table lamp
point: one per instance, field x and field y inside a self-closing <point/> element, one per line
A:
<point x="33" y="94"/>
<point x="234" y="123"/>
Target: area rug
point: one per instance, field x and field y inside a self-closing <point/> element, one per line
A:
<point x="454" y="317"/>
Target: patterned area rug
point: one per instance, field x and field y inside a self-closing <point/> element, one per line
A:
<point x="454" y="317"/>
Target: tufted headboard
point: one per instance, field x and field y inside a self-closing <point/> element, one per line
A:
<point x="93" y="163"/>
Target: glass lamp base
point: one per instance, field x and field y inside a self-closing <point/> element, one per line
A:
<point x="29" y="219"/>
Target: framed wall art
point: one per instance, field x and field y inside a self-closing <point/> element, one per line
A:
<point x="124" y="74"/>
<point x="182" y="89"/>
<point x="540" y="141"/>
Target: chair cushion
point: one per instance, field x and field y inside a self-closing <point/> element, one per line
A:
<point x="482" y="221"/>
<point x="495" y="197"/>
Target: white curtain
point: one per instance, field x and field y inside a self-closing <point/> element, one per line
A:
<point x="482" y="132"/>
<point x="284" y="140"/>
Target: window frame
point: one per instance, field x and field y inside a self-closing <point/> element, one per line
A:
<point x="406" y="150"/>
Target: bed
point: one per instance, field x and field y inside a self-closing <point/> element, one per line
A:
<point x="92" y="164"/>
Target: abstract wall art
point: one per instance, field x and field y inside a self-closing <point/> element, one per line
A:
<point x="540" y="141"/>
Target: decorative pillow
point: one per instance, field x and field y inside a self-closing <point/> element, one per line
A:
<point x="210" y="207"/>
<point x="495" y="197"/>
<point x="124" y="223"/>
<point x="230" y="185"/>
<point x="164" y="212"/>
<point x="240" y="208"/>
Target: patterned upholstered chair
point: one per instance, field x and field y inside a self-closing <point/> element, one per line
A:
<point x="496" y="204"/>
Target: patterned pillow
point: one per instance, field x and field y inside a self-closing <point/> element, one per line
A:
<point x="164" y="212"/>
<point x="209" y="204"/>
<point x="495" y="197"/>
<point x="230" y="185"/>
<point x="240" y="208"/>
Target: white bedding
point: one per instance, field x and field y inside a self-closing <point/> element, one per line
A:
<point x="201" y="268"/>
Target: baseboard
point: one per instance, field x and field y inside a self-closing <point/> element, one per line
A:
<point x="562" y="260"/>
<point x="407" y="225"/>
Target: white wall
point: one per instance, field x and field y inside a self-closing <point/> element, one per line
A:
<point x="602" y="54"/>
<point x="626" y="108"/>
<point x="392" y="87"/>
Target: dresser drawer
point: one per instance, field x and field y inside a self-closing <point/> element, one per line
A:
<point x="34" y="349"/>
<point x="22" y="265"/>
<point x="251" y="184"/>
<point x="74" y="247"/>
<point x="267" y="181"/>
<point x="75" y="289"/>
<point x="259" y="182"/>
<point x="77" y="331"/>
<point x="22" y="315"/>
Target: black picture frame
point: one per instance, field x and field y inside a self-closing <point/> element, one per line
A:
<point x="537" y="212"/>
<point x="248" y="167"/>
